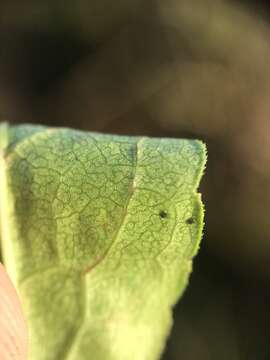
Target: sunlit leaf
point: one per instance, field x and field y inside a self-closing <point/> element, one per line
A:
<point x="98" y="235"/>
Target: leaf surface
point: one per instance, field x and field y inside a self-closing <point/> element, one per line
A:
<point x="98" y="235"/>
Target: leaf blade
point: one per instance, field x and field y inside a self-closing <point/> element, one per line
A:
<point x="91" y="215"/>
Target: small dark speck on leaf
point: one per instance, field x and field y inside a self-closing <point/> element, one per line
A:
<point x="190" y="221"/>
<point x="163" y="214"/>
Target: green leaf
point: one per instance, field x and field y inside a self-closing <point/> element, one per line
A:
<point x="98" y="235"/>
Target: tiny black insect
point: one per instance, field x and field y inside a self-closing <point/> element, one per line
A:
<point x="190" y="221"/>
<point x="163" y="214"/>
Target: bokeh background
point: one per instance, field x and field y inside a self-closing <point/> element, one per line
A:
<point x="174" y="68"/>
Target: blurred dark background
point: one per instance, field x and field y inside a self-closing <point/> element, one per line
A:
<point x="174" y="68"/>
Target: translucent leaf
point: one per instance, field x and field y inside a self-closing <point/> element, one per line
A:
<point x="98" y="235"/>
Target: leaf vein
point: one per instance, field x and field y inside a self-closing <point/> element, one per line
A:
<point x="68" y="352"/>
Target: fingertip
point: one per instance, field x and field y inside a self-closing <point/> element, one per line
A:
<point x="13" y="332"/>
